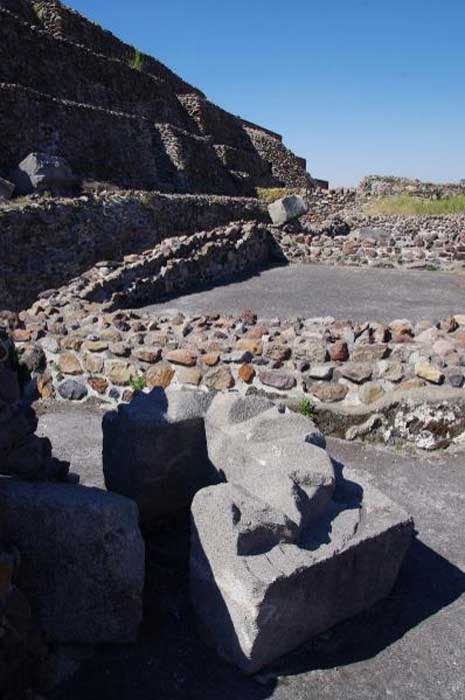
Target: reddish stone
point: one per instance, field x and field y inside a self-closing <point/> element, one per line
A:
<point x="248" y="316"/>
<point x="257" y="332"/>
<point x="459" y="337"/>
<point x="211" y="359"/>
<point x="219" y="379"/>
<point x="98" y="384"/>
<point x="22" y="335"/>
<point x="255" y="347"/>
<point x="182" y="357"/>
<point x="45" y="386"/>
<point x="339" y="352"/>
<point x="247" y="373"/>
<point x="159" y="375"/>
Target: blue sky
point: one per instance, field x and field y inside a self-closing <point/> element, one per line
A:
<point x="355" y="86"/>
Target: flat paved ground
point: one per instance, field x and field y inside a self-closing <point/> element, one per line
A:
<point x="408" y="647"/>
<point x="345" y="293"/>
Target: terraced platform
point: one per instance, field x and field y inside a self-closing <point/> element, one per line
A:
<point x="76" y="91"/>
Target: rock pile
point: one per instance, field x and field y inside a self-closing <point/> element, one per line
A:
<point x="388" y="186"/>
<point x="355" y="369"/>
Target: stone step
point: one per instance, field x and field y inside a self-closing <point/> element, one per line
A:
<point x="115" y="147"/>
<point x="67" y="71"/>
<point x="64" y="23"/>
<point x="54" y="52"/>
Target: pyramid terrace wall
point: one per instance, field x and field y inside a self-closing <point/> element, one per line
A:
<point x="109" y="146"/>
<point x="286" y="166"/>
<point x="63" y="22"/>
<point x="56" y="52"/>
<point x="71" y="72"/>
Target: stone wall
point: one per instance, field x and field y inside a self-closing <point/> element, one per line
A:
<point x="177" y="265"/>
<point x="416" y="243"/>
<point x="111" y="146"/>
<point x="22" y="453"/>
<point x="98" y="144"/>
<point x="340" y="229"/>
<point x="389" y="381"/>
<point x="386" y="186"/>
<point x="48" y="242"/>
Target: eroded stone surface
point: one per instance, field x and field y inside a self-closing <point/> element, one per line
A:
<point x="85" y="585"/>
<point x="285" y="549"/>
<point x="254" y="606"/>
<point x="154" y="450"/>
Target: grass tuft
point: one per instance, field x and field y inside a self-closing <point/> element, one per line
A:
<point x="138" y="383"/>
<point x="137" y="61"/>
<point x="305" y="408"/>
<point x="407" y="205"/>
<point x="271" y="194"/>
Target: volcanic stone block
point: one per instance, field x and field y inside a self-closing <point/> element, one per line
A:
<point x="286" y="209"/>
<point x="154" y="450"/>
<point x="260" y="590"/>
<point x="82" y="559"/>
<point x="244" y="433"/>
<point x="44" y="172"/>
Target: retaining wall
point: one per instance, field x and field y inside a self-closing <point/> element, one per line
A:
<point x="47" y="243"/>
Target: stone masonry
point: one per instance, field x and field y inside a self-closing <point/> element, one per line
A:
<point x="48" y="242"/>
<point x="71" y="89"/>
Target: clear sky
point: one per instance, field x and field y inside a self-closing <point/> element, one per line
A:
<point x="355" y="86"/>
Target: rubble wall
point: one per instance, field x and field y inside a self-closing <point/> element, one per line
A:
<point x="45" y="244"/>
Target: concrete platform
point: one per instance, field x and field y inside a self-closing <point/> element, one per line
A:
<point x="342" y="292"/>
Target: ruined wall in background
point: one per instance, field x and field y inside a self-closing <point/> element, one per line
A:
<point x="387" y="186"/>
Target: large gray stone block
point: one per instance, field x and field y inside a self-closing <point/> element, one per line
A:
<point x="260" y="587"/>
<point x="82" y="559"/>
<point x="286" y="209"/>
<point x="154" y="450"/>
<point x="246" y="432"/>
<point x="44" y="172"/>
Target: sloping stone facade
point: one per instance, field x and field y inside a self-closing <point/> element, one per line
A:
<point x="71" y="89"/>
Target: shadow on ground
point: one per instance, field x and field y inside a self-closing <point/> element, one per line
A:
<point x="170" y="662"/>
